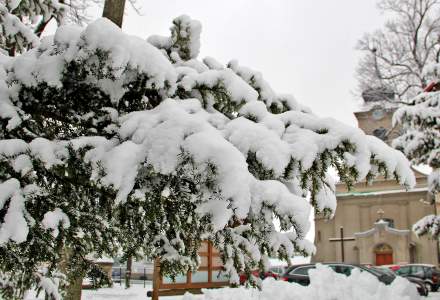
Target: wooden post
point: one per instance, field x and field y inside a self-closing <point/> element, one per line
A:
<point x="156" y="280"/>
<point x="114" y="11"/>
<point x="128" y="271"/>
<point x="209" y="261"/>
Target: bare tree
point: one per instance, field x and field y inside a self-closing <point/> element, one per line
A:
<point x="396" y="57"/>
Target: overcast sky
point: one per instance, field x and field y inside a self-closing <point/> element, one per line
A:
<point x="304" y="48"/>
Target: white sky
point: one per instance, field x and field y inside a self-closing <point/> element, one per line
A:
<point x="305" y="48"/>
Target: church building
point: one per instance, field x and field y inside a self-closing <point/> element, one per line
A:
<point x="372" y="224"/>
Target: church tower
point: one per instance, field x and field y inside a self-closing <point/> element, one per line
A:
<point x="376" y="220"/>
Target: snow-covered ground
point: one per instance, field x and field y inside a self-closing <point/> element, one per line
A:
<point x="138" y="292"/>
<point x="325" y="284"/>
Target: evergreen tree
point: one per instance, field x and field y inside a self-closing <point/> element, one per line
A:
<point x="420" y="121"/>
<point x="23" y="21"/>
<point x="111" y="143"/>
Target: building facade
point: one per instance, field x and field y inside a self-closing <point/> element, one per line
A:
<point x="376" y="220"/>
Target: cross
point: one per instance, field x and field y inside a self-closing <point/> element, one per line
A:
<point x="380" y="212"/>
<point x="342" y="239"/>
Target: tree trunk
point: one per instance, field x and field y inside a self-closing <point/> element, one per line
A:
<point x="128" y="272"/>
<point x="114" y="11"/>
<point x="73" y="291"/>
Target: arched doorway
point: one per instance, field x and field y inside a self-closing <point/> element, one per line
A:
<point x="384" y="254"/>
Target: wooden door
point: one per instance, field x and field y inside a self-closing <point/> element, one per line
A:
<point x="384" y="259"/>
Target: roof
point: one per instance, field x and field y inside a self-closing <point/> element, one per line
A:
<point x="422" y="265"/>
<point x="376" y="193"/>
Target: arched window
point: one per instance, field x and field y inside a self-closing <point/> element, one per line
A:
<point x="388" y="220"/>
<point x="380" y="133"/>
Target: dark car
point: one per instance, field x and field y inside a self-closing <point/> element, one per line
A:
<point x="428" y="273"/>
<point x="419" y="283"/>
<point x="299" y="274"/>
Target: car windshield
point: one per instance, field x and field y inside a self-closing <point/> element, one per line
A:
<point x="378" y="271"/>
<point x="371" y="270"/>
<point x="403" y="271"/>
<point x="385" y="271"/>
<point x="302" y="270"/>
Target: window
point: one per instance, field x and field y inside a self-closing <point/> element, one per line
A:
<point x="380" y="133"/>
<point x="403" y="271"/>
<point x="342" y="269"/>
<point x="277" y="270"/>
<point x="303" y="271"/>
<point x="388" y="220"/>
<point x="417" y="271"/>
<point x="347" y="270"/>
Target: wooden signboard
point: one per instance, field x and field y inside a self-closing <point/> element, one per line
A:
<point x="210" y="274"/>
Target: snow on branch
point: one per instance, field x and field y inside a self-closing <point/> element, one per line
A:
<point x="420" y="141"/>
<point x="428" y="225"/>
<point x="161" y="150"/>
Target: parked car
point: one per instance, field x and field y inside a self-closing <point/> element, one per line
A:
<point x="428" y="273"/>
<point x="243" y="277"/>
<point x="299" y="274"/>
<point x="391" y="267"/>
<point x="419" y="283"/>
<point x="274" y="272"/>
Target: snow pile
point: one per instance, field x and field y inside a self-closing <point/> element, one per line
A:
<point x="324" y="285"/>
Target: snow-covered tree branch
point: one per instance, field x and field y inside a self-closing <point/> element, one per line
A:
<point x="420" y="142"/>
<point x="110" y="142"/>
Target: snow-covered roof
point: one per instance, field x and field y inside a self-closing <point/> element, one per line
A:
<point x="379" y="226"/>
<point x="387" y="192"/>
<point x="104" y="259"/>
<point x="385" y="105"/>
